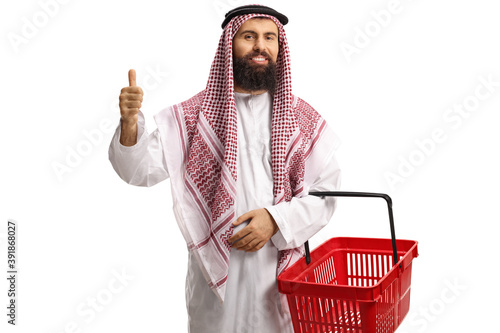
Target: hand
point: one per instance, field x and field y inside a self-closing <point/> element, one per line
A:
<point x="131" y="99"/>
<point x="130" y="103"/>
<point x="256" y="234"/>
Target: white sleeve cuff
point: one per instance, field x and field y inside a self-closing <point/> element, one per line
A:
<point x="283" y="236"/>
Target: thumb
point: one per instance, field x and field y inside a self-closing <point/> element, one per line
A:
<point x="243" y="218"/>
<point x="132" y="78"/>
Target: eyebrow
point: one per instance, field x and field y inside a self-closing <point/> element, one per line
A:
<point x="253" y="32"/>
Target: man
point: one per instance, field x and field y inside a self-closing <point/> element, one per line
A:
<point x="242" y="156"/>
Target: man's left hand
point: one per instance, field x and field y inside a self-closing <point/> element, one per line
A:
<point x="255" y="235"/>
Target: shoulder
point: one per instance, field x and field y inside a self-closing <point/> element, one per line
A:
<point x="307" y="117"/>
<point x="186" y="112"/>
<point x="192" y="104"/>
<point x="299" y="105"/>
<point x="189" y="107"/>
<point x="196" y="100"/>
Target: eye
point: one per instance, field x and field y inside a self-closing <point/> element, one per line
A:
<point x="248" y="37"/>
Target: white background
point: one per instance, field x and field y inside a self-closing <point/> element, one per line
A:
<point x="80" y="225"/>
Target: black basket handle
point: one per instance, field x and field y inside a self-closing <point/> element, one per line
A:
<point x="360" y="194"/>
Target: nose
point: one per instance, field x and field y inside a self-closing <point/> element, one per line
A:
<point x="259" y="45"/>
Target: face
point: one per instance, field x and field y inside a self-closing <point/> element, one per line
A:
<point x="259" y="38"/>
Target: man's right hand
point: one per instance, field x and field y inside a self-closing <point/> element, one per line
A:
<point x="130" y="103"/>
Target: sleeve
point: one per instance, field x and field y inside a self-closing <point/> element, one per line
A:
<point x="301" y="218"/>
<point x="142" y="164"/>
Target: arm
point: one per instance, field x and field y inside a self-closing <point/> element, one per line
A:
<point x="136" y="156"/>
<point x="142" y="164"/>
<point x="289" y="224"/>
<point x="301" y="218"/>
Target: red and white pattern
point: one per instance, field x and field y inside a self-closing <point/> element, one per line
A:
<point x="207" y="126"/>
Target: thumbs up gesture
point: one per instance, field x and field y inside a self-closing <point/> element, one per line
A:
<point x="130" y="103"/>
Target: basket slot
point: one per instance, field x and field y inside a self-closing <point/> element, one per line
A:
<point x="386" y="309"/>
<point x="327" y="315"/>
<point x="369" y="270"/>
<point x="374" y="269"/>
<point x="365" y="269"/>
<point x="366" y="280"/>
<point x="348" y="317"/>
<point x="325" y="273"/>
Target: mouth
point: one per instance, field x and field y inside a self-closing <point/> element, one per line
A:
<point x="259" y="60"/>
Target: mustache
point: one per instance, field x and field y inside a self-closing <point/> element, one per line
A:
<point x="253" y="54"/>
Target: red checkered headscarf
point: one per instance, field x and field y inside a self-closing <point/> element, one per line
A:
<point x="219" y="105"/>
<point x="207" y="125"/>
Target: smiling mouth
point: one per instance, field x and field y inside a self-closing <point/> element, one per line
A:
<point x="259" y="60"/>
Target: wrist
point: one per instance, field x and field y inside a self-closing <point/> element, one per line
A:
<point x="275" y="225"/>
<point x="129" y="123"/>
<point x="128" y="135"/>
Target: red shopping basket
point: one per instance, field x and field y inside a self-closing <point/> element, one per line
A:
<point x="351" y="285"/>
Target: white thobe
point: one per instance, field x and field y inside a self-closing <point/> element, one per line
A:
<point x="252" y="302"/>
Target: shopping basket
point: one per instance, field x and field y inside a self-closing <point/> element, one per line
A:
<point x="351" y="285"/>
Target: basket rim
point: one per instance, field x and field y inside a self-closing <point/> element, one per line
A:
<point x="288" y="285"/>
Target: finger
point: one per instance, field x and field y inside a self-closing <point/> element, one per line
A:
<point x="257" y="247"/>
<point x="134" y="97"/>
<point x="131" y="104"/>
<point x="244" y="217"/>
<point x="130" y="97"/>
<point x="240" y="234"/>
<point x="246" y="243"/>
<point x="250" y="247"/>
<point x="132" y="78"/>
<point x="132" y="90"/>
<point x="253" y="246"/>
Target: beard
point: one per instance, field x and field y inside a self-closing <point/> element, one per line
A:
<point x="253" y="77"/>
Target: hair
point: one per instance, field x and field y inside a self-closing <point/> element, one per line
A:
<point x="253" y="78"/>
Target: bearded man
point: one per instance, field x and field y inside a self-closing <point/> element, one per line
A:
<point x="242" y="156"/>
